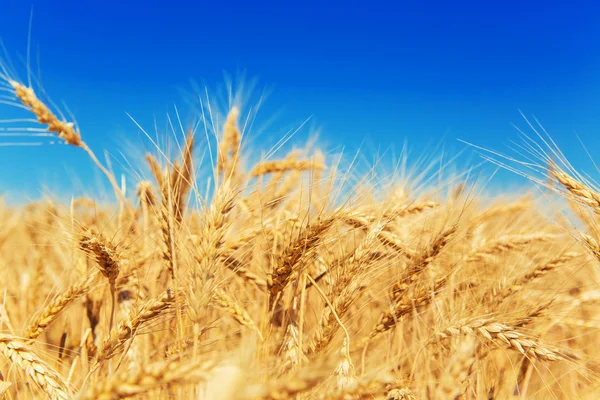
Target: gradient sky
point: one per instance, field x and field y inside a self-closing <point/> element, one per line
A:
<point x="375" y="74"/>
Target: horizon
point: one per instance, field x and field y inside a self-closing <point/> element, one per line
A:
<point x="365" y="78"/>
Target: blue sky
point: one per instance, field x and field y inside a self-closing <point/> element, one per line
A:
<point x="374" y="74"/>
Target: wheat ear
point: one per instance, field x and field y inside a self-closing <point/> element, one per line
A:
<point x="51" y="312"/>
<point x="37" y="370"/>
<point x="64" y="130"/>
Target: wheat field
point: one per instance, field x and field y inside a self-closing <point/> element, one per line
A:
<point x="276" y="283"/>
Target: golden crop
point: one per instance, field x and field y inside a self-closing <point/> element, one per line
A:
<point x="279" y="285"/>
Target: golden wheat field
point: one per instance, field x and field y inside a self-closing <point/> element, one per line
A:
<point x="294" y="278"/>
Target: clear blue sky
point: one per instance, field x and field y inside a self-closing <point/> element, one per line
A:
<point x="377" y="73"/>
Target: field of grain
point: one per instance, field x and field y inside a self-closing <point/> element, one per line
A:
<point x="294" y="278"/>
